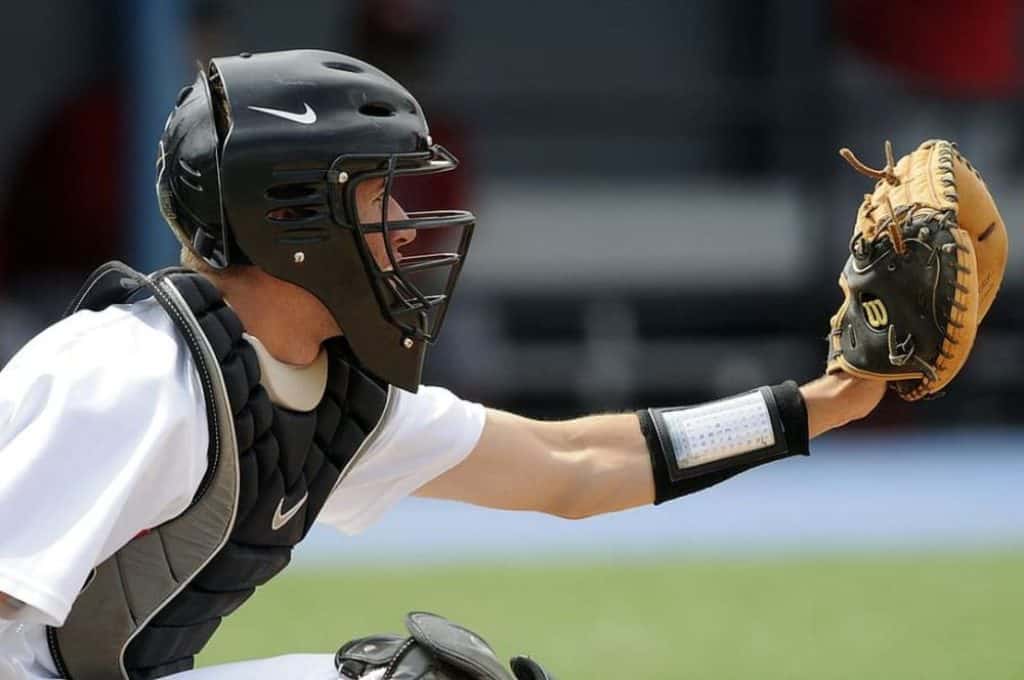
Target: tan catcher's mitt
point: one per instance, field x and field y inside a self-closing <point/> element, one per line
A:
<point x="926" y="260"/>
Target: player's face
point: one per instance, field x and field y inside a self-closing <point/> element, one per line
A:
<point x="370" y="203"/>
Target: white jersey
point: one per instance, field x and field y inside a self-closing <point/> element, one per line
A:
<point x="103" y="434"/>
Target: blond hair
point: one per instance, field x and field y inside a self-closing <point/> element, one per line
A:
<point x="190" y="260"/>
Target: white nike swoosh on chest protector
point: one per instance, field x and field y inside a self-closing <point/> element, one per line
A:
<point x="307" y="117"/>
<point x="280" y="518"/>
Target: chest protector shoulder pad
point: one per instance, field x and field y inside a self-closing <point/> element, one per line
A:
<point x="149" y="608"/>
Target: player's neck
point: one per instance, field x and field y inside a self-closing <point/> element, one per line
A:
<point x="290" y="328"/>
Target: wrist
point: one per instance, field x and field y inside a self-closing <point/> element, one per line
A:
<point x="837" y="399"/>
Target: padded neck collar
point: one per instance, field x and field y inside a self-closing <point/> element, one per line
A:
<point x="297" y="388"/>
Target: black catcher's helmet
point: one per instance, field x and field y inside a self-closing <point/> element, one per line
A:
<point x="259" y="163"/>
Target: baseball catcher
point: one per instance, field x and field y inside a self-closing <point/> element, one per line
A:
<point x="169" y="442"/>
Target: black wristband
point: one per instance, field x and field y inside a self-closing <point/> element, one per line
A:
<point x="789" y="436"/>
<point x="793" y="413"/>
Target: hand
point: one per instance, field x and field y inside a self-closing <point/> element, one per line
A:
<point x="837" y="399"/>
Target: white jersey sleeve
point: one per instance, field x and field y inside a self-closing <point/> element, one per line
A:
<point x="102" y="434"/>
<point x="422" y="436"/>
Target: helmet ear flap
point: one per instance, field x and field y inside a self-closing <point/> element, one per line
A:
<point x="188" y="175"/>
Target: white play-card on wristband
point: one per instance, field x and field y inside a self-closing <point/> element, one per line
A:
<point x="720" y="429"/>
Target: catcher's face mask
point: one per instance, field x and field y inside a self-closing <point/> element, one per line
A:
<point x="414" y="259"/>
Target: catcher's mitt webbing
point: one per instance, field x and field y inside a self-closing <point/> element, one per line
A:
<point x="694" y="447"/>
<point x="926" y="260"/>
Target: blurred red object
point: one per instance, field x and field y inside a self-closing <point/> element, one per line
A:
<point x="64" y="208"/>
<point x="955" y="47"/>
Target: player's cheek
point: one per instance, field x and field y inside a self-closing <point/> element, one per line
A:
<point x="375" y="242"/>
<point x="395" y="210"/>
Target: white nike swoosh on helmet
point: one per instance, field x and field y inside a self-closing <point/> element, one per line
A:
<point x="308" y="117"/>
<point x="279" y="519"/>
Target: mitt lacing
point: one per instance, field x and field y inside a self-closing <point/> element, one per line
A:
<point x="902" y="352"/>
<point x="888" y="173"/>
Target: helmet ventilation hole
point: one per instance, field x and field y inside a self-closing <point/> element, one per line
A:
<point x="182" y="96"/>
<point x="378" y="109"/>
<point x="290" y="192"/>
<point x="295" y="213"/>
<point x="184" y="165"/>
<point x="343" y="66"/>
<point x="189" y="183"/>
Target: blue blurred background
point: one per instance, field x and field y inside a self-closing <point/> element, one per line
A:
<point x="662" y="220"/>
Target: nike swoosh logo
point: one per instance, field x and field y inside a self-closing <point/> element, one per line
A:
<point x="281" y="518"/>
<point x="308" y="117"/>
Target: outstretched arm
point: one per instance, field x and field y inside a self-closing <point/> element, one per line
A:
<point x="598" y="464"/>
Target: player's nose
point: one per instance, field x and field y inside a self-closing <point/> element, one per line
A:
<point x="403" y="237"/>
<point x="400" y="237"/>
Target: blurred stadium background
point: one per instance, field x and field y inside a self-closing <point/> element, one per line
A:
<point x="662" y="219"/>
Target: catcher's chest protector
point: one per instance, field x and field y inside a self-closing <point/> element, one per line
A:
<point x="155" y="603"/>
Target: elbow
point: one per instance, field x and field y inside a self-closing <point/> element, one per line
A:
<point x="572" y="498"/>
<point x="583" y="480"/>
<point x="572" y="513"/>
<point x="572" y="506"/>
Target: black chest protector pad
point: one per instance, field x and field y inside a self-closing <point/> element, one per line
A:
<point x="150" y="607"/>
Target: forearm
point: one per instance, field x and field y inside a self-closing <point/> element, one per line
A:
<point x="617" y="471"/>
<point x="622" y="461"/>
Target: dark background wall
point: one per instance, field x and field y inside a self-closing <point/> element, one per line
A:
<point x="662" y="211"/>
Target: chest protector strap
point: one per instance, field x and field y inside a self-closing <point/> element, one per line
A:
<point x="130" y="588"/>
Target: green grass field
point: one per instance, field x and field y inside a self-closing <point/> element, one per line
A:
<point x="932" y="617"/>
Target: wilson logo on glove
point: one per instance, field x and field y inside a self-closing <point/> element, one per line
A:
<point x="876" y="314"/>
